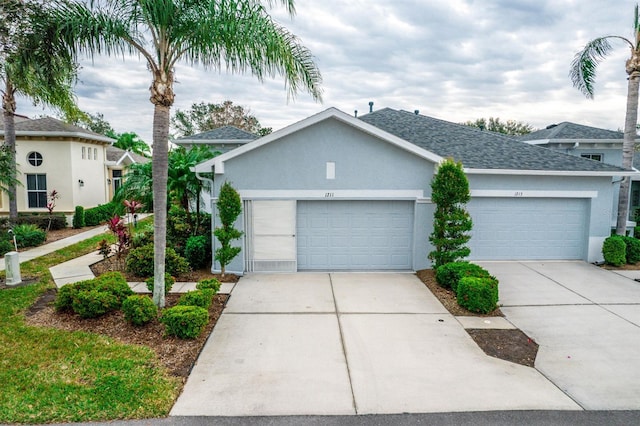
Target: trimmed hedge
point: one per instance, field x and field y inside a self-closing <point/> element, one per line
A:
<point x="100" y="214"/>
<point x="632" y="249"/>
<point x="185" y="322"/>
<point x="139" y="310"/>
<point x="41" y="220"/>
<point x="82" y="297"/>
<point x="478" y="294"/>
<point x="94" y="303"/>
<point x="140" y="262"/>
<point x="198" y="251"/>
<point x="78" y="218"/>
<point x="169" y="281"/>
<point x="450" y="274"/>
<point x="211" y="283"/>
<point x="202" y="298"/>
<point x="114" y="283"/>
<point x="614" y="250"/>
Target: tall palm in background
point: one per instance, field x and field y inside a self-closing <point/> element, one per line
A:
<point x="583" y="73"/>
<point x="33" y="63"/>
<point x="236" y="35"/>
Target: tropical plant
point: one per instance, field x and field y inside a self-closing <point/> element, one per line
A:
<point x="203" y="117"/>
<point x="229" y="208"/>
<point x="137" y="185"/>
<point x="239" y="35"/>
<point x="451" y="222"/>
<point x="34" y="63"/>
<point x="129" y="141"/>
<point x="183" y="185"/>
<point x="583" y="74"/>
<point x="123" y="238"/>
<point x="52" y="197"/>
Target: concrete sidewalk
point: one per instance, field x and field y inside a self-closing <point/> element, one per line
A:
<point x="45" y="249"/>
<point x="350" y="343"/>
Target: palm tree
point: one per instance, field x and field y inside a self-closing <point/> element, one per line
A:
<point x="183" y="185"/>
<point x="236" y="35"/>
<point x="583" y="73"/>
<point x="130" y="141"/>
<point x="35" y="64"/>
<point x="137" y="185"/>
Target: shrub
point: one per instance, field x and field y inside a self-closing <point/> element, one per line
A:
<point x="93" y="303"/>
<point x="185" y="322"/>
<point x="78" y="218"/>
<point x="64" y="298"/>
<point x="449" y="274"/>
<point x="139" y="310"/>
<point x="29" y="235"/>
<point x="180" y="227"/>
<point x="198" y="251"/>
<point x="58" y="220"/>
<point x="5" y="247"/>
<point x="478" y="294"/>
<point x="168" y="283"/>
<point x="202" y="298"/>
<point x="636" y="231"/>
<point x="114" y="283"/>
<point x="211" y="283"/>
<point x="100" y="214"/>
<point x="140" y="262"/>
<point x="614" y="250"/>
<point x="142" y="237"/>
<point x="632" y="249"/>
<point x="229" y="208"/>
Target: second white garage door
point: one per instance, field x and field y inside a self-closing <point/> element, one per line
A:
<point x="528" y="228"/>
<point x="355" y="235"/>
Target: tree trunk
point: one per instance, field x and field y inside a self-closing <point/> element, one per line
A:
<point x="627" y="151"/>
<point x="9" y="109"/>
<point x="160" y="163"/>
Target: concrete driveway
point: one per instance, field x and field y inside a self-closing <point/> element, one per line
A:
<point x="587" y="323"/>
<point x="350" y="343"/>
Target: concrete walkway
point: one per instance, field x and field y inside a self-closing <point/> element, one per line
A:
<point x="343" y="343"/>
<point x="45" y="249"/>
<point x="587" y="322"/>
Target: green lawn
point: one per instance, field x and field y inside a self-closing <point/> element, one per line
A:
<point x="47" y="375"/>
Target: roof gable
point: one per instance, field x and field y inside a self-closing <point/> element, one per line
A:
<point x="331" y="113"/>
<point x="477" y="149"/>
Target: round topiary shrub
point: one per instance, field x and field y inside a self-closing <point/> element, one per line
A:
<point x="211" y="283"/>
<point x="478" y="294"/>
<point x="114" y="283"/>
<point x="197" y="251"/>
<point x="185" y="322"/>
<point x="202" y="298"/>
<point x="140" y="262"/>
<point x="632" y="250"/>
<point x="93" y="303"/>
<point x="614" y="250"/>
<point x="168" y="283"/>
<point x="139" y="310"/>
<point x="449" y="274"/>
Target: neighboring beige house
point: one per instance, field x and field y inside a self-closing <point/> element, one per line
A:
<point x="52" y="155"/>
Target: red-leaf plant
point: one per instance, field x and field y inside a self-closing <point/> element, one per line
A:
<point x="132" y="206"/>
<point x="117" y="226"/>
<point x="51" y="204"/>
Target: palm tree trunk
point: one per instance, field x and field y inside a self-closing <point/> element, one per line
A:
<point x="627" y="150"/>
<point x="9" y="109"/>
<point x="160" y="165"/>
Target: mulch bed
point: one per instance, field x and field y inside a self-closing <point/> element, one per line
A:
<point x="509" y="345"/>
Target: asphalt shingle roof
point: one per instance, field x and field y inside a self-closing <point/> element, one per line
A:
<point x="476" y="148"/>
<point x="567" y="130"/>
<point x="114" y="154"/>
<point x="222" y="133"/>
<point x="49" y="124"/>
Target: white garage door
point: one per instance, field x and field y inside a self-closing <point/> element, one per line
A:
<point x="528" y="228"/>
<point x="355" y="235"/>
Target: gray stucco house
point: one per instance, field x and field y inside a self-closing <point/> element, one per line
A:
<point x="335" y="192"/>
<point x="592" y="143"/>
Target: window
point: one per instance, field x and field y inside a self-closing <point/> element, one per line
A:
<point x="37" y="190"/>
<point x="95" y="153"/>
<point x="34" y="158"/>
<point x="596" y="157"/>
<point x="117" y="180"/>
<point x="89" y="153"/>
<point x="84" y="154"/>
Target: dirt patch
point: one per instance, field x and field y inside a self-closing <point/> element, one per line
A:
<point x="25" y="281"/>
<point x="177" y="355"/>
<point x="509" y="345"/>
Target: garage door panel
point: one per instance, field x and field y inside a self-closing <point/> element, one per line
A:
<point x="517" y="228"/>
<point x="362" y="235"/>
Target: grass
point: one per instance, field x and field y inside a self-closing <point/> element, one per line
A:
<point x="48" y="375"/>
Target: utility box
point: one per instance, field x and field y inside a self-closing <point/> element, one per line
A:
<point x="12" y="268"/>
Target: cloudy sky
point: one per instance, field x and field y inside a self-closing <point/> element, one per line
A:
<point x="455" y="60"/>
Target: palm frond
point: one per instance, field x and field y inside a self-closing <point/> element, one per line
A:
<point x="585" y="64"/>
